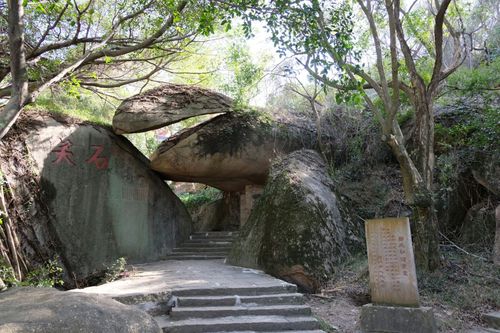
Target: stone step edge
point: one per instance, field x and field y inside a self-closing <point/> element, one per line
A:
<point x="285" y="288"/>
<point x="201" y="314"/>
<point x="307" y="331"/>
<point x="195" y="253"/>
<point x="194" y="258"/>
<point x="164" y="321"/>
<point x="230" y="233"/>
<point x="202" y="301"/>
<point x="236" y="308"/>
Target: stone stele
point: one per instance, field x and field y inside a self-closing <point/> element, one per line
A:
<point x="393" y="280"/>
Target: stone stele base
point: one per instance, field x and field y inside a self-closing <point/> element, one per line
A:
<point x="397" y="319"/>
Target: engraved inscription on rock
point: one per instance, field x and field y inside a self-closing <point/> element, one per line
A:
<point x="391" y="263"/>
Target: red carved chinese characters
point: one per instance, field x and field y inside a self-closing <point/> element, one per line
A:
<point x="63" y="153"/>
<point x="99" y="161"/>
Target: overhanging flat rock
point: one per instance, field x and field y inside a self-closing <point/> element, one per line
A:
<point x="227" y="152"/>
<point x="165" y="105"/>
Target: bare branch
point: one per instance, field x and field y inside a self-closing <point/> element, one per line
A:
<point x="438" y="42"/>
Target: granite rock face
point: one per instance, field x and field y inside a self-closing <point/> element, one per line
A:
<point x="103" y="199"/>
<point x="229" y="151"/>
<point x="296" y="230"/>
<point x="45" y="310"/>
<point x="165" y="105"/>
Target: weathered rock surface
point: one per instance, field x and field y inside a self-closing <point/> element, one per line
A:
<point x="45" y="310"/>
<point x="104" y="201"/>
<point x="167" y="105"/>
<point x="496" y="248"/>
<point x="296" y="230"/>
<point x="228" y="151"/>
<point x="218" y="215"/>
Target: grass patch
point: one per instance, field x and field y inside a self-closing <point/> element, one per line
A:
<point x="85" y="106"/>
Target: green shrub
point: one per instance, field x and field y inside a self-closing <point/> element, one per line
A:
<point x="195" y="200"/>
<point x="48" y="275"/>
<point x="115" y="271"/>
<point x="7" y="274"/>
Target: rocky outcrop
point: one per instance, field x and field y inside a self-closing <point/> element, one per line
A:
<point x="45" y="310"/>
<point x="228" y="152"/>
<point x="296" y="230"/>
<point x="102" y="199"/>
<point x="218" y="215"/>
<point x="165" y="105"/>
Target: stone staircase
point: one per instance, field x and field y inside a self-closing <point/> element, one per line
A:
<point x="205" y="245"/>
<point x="243" y="310"/>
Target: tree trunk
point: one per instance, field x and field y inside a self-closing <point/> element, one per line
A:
<point x="425" y="232"/>
<point x="19" y="92"/>
<point x="425" y="216"/>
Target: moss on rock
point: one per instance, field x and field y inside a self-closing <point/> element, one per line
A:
<point x="295" y="230"/>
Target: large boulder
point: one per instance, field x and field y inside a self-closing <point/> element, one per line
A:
<point x="228" y="151"/>
<point x="47" y="310"/>
<point x="103" y="199"/>
<point x="165" y="105"/>
<point x="296" y="230"/>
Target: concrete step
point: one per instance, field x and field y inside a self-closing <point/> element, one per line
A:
<point x="492" y="319"/>
<point x="200" y="253"/>
<point x="178" y="313"/>
<point x="194" y="256"/>
<point x="205" y="245"/>
<point x="276" y="299"/>
<point x="202" y="249"/>
<point x="230" y="237"/>
<point x="240" y="323"/>
<point x="308" y="331"/>
<point x="216" y="234"/>
<point x="209" y="240"/>
<point x="241" y="291"/>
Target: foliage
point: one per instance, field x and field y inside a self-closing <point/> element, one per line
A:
<point x="86" y="106"/>
<point x="194" y="200"/>
<point x="94" y="45"/>
<point x="224" y="64"/>
<point x="47" y="275"/>
<point x="146" y="142"/>
<point x="479" y="130"/>
<point x="240" y="85"/>
<point x="115" y="270"/>
<point x="465" y="283"/>
<point x="7" y="274"/>
<point x="482" y="80"/>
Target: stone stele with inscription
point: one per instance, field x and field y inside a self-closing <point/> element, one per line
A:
<point x="393" y="279"/>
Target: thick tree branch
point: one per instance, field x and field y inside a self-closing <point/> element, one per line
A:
<point x="11" y="111"/>
<point x="409" y="61"/>
<point x="438" y="42"/>
<point x="378" y="50"/>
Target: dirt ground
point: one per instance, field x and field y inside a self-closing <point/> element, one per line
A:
<point x="462" y="290"/>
